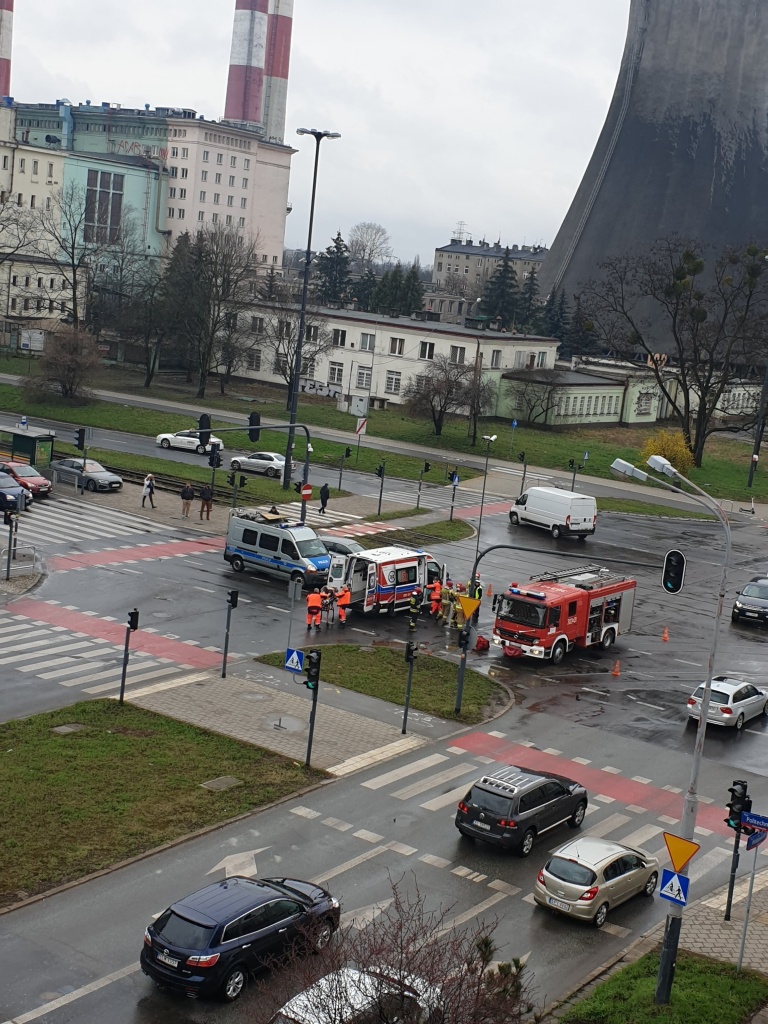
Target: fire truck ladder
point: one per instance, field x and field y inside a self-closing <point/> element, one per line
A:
<point x="576" y="575"/>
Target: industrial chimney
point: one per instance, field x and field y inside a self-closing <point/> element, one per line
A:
<point x="6" y="41"/>
<point x="258" y="67"/>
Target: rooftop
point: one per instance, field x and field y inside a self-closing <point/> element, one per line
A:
<point x="470" y="248"/>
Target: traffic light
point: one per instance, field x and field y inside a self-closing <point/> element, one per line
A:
<point x="231" y="479"/>
<point x="410" y="652"/>
<point x="297" y="486"/>
<point x="740" y="801"/>
<point x="348" y="452"/>
<point x="254" y="421"/>
<point x="8" y="518"/>
<point x="313" y="669"/>
<point x="80" y="439"/>
<point x="521" y="456"/>
<point x="427" y="467"/>
<point x="673" y="574"/>
<point x="133" y="620"/>
<point x="464" y="638"/>
<point x="204" y="426"/>
<point x="214" y="459"/>
<point x="571" y="464"/>
<point x="243" y="481"/>
<point x="232" y="596"/>
<point x="380" y="471"/>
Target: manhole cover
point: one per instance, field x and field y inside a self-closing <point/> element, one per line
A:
<point x="225" y="782"/>
<point x="65" y="730"/>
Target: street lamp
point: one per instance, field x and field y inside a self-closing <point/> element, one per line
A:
<point x="690" y="805"/>
<point x="318" y="137"/>
<point x="489" y="439"/>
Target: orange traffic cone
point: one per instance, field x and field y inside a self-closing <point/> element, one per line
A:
<point x="665" y="635"/>
<point x="489" y="591"/>
<point x="616" y="669"/>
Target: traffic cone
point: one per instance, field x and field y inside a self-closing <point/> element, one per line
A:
<point x="616" y="669"/>
<point x="665" y="635"/>
<point x="489" y="591"/>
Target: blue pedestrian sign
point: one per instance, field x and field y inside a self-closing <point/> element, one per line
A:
<point x="674" y="887"/>
<point x="294" y="660"/>
<point x="514" y="424"/>
<point x="455" y="479"/>
<point x="755" y="839"/>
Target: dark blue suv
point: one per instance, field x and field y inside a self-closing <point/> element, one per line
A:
<point x="208" y="943"/>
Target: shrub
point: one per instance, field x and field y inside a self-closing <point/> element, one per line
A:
<point x="670" y="444"/>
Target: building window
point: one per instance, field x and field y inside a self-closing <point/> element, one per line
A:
<point x="181" y="213"/>
<point x="393" y="382"/>
<point x="19" y="199"/>
<point x="26" y="282"/>
<point x="257" y="324"/>
<point x="50" y="305"/>
<point x="364" y="377"/>
<point x="367" y="342"/>
<point x="204" y="176"/>
<point x="174" y="152"/>
<point x="206" y="156"/>
<point x="32" y="202"/>
<point x="253" y="359"/>
<point x="245" y="183"/>
<point x="439" y="268"/>
<point x="216" y="197"/>
<point x="231" y="181"/>
<point x="229" y="218"/>
<point x="610" y="405"/>
<point x="174" y="172"/>
<point x="184" y="153"/>
<point x="202" y="197"/>
<point x="274" y="259"/>
<point x="339" y="338"/>
<point x="26" y="303"/>
<point x="567" y="406"/>
<point x="185" y="172"/>
<point x="602" y="405"/>
<point x="427" y="350"/>
<point x="39" y="304"/>
<point x="496" y="359"/>
<point x="219" y="158"/>
<point x="230" y="200"/>
<point x="233" y="161"/>
<point x="13" y="304"/>
<point x="246" y="165"/>
<point x="171" y="193"/>
<point x="519" y="360"/>
<point x="581" y="404"/>
<point x="214" y="218"/>
<point x="396" y="347"/>
<point x="170" y="211"/>
<point x="103" y="206"/>
<point x="182" y="193"/>
<point x="243" y="203"/>
<point x="644" y="405"/>
<point x="284" y="328"/>
<point x="589" y="405"/>
<point x="335" y="373"/>
<point x="541" y="359"/>
<point x="264" y="257"/>
<point x="39" y="282"/>
<point x="22" y="165"/>
<point x="241" y="222"/>
<point x="35" y="166"/>
<point x="217" y="179"/>
<point x="458" y="352"/>
<point x="201" y="215"/>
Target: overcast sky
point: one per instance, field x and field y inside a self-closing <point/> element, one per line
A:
<point x="484" y="112"/>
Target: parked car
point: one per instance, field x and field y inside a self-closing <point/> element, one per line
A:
<point x="87" y="473"/>
<point x="588" y="877"/>
<point x="28" y="477"/>
<point x="188" y="440"/>
<point x="10" y="493"/>
<point x="732" y="702"/>
<point x="512" y="807"/>
<point x="269" y="463"/>
<point x="752" y="601"/>
<point x="209" y="942"/>
<point x="341" y="545"/>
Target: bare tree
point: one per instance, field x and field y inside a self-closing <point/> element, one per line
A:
<point x="369" y="243"/>
<point x="440" y="390"/>
<point x="279" y="333"/>
<point x="234" y="344"/>
<point x="480" y="398"/>
<point x="68" y="363"/>
<point x="535" y="394"/>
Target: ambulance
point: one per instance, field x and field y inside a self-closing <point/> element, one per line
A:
<point x="383" y="579"/>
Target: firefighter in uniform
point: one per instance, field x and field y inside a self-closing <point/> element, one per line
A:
<point x="314" y="609"/>
<point x="435" y="597"/>
<point x="446" y="602"/>
<point x="457" y="618"/>
<point x="343" y="601"/>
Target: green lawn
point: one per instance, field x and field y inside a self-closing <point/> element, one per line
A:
<point x="704" y="992"/>
<point x="128" y="782"/>
<point x="640" y="508"/>
<point x="422" y="537"/>
<point x="382" y="673"/>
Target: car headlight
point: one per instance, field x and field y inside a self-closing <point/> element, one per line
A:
<point x="738" y="604"/>
<point x="334" y="903"/>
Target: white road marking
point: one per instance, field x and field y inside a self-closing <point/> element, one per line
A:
<point x="283" y="611"/>
<point x="71" y="997"/>
<point x="445" y="799"/>
<point x="701" y="865"/>
<point x="641" y="835"/>
<point x="349" y="864"/>
<point x="434" y="780"/>
<point x="682" y="661"/>
<point x="609" y="824"/>
<point x="475" y="911"/>
<point x="404" y="772"/>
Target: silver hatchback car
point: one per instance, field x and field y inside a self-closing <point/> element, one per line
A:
<point x="732" y="702"/>
<point x="588" y="876"/>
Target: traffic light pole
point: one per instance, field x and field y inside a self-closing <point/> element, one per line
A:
<point x="383" y="468"/>
<point x="734" y="868"/>
<point x="133" y="624"/>
<point x="231" y="603"/>
<point x="411" y="656"/>
<point x="312" y="715"/>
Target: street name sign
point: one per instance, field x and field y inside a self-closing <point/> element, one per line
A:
<point x="294" y="660"/>
<point x="674" y="887"/>
<point x="755" y="820"/>
<point x="755" y="839"/>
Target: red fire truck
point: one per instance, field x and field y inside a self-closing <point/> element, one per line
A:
<point x="554" y="612"/>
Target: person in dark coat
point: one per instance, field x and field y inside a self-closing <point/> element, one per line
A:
<point x="325" y="494"/>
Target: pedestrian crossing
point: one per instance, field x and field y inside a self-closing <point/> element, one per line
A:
<point x="434" y="498"/>
<point x="57" y="522"/>
<point x="342" y="524"/>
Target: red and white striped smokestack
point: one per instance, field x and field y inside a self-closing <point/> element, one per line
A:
<point x="258" y="66"/>
<point x="6" y="40"/>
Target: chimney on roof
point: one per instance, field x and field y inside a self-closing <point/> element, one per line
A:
<point x="258" y="66"/>
<point x="6" y="42"/>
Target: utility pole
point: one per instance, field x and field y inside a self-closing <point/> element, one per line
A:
<point x="381" y="470"/>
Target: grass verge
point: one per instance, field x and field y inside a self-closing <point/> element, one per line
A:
<point x="379" y="672"/>
<point x="423" y="537"/>
<point x="640" y="508"/>
<point x="705" y="992"/>
<point x="126" y="783"/>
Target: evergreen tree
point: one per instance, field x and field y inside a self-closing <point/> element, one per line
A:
<point x="501" y="295"/>
<point x="332" y="272"/>
<point x="412" y="297"/>
<point x="528" y="307"/>
<point x="363" y="290"/>
<point x="381" y="297"/>
<point x="556" y="317"/>
<point x="579" y="339"/>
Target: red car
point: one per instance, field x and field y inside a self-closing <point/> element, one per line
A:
<point x="28" y="477"/>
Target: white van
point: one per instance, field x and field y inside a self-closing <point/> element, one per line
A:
<point x="267" y="541"/>
<point x="560" y="512"/>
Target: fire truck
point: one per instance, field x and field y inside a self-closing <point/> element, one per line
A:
<point x="551" y="614"/>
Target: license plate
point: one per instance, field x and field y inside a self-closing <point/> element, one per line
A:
<point x="167" y="960"/>
<point x="751" y="615"/>
<point x="558" y="904"/>
<point x="482" y="824"/>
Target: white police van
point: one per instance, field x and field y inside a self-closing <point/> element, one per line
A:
<point x="270" y="543"/>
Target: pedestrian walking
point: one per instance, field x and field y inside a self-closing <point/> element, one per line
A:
<point x="325" y="494"/>
<point x="206" y="500"/>
<point x="148" y="490"/>
<point x="314" y="610"/>
<point x="187" y="495"/>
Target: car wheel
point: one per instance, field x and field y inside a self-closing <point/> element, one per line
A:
<point x="582" y="536"/>
<point x="237" y="563"/>
<point x="527" y="844"/>
<point x="297" y="577"/>
<point x="234" y="464"/>
<point x="735" y="616"/>
<point x="200" y="449"/>
<point x="555" y="532"/>
<point x="165" y="443"/>
<point x="514" y="518"/>
<point x="233" y="984"/>
<point x="558" y="652"/>
<point x="600" y="915"/>
<point x="650" y="886"/>
<point x="765" y="708"/>
<point x="577" y="817"/>
<point x="271" y="471"/>
<point x="91" y="485"/>
<point x="740" y="722"/>
<point x="609" y="639"/>
<point x="322" y="936"/>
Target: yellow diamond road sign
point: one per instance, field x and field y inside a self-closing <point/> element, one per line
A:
<point x="469" y="606"/>
<point x="680" y="850"/>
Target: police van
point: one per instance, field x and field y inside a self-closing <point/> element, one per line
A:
<point x="269" y="542"/>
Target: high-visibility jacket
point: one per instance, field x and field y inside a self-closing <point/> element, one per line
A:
<point x="314" y="602"/>
<point x="435" y="590"/>
<point x="344" y="598"/>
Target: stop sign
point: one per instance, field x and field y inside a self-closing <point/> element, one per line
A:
<point x="306" y="492"/>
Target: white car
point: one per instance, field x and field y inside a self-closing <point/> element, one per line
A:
<point x="732" y="702"/>
<point x="349" y="996"/>
<point x="270" y="463"/>
<point x="188" y="440"/>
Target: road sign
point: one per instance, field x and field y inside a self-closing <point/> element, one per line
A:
<point x="680" y="850"/>
<point x="514" y="424"/>
<point x="755" y="820"/>
<point x="755" y="839"/>
<point x="360" y="428"/>
<point x="294" y="660"/>
<point x="469" y="606"/>
<point x="455" y="478"/>
<point x="674" y="887"/>
<point x="306" y="492"/>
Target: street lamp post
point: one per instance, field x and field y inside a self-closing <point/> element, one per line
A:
<point x="489" y="439"/>
<point x="296" y="375"/>
<point x="690" y="805"/>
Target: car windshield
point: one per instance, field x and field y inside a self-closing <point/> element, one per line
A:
<point x="494" y="802"/>
<point x="25" y="471"/>
<point x="92" y="467"/>
<point x="570" y="871"/>
<point x="759" y="590"/>
<point x="525" y="613"/>
<point x="715" y="697"/>
<point x="310" y="548"/>
<point x="7" y="483"/>
<point x="178" y="931"/>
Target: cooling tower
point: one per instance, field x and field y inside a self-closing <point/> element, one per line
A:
<point x="6" y="40"/>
